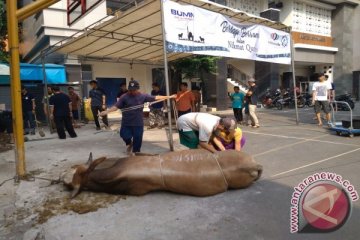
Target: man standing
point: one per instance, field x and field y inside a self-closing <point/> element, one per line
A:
<point x="61" y="112"/>
<point x="320" y="98"/>
<point x="156" y="115"/>
<point x="45" y="106"/>
<point x="122" y="91"/>
<point x="28" y="109"/>
<point x="195" y="129"/>
<point x="252" y="100"/>
<point x="75" y="103"/>
<point x="185" y="100"/>
<point x="132" y="125"/>
<point x="97" y="103"/>
<point x="237" y="99"/>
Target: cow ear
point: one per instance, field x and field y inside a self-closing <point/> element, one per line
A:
<point x="75" y="191"/>
<point x="95" y="163"/>
<point x="90" y="159"/>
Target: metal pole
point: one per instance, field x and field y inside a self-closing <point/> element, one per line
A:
<point x="46" y="94"/>
<point x="293" y="77"/>
<point x="13" y="30"/>
<point x="171" y="140"/>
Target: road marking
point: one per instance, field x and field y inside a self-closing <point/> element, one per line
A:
<point x="300" y="138"/>
<point x="314" y="163"/>
<point x="285" y="146"/>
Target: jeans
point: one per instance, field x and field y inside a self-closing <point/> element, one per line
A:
<point x="29" y="121"/>
<point x="132" y="134"/>
<point x="253" y="117"/>
<point x="60" y="123"/>
<point x="95" y="111"/>
<point x="238" y="114"/>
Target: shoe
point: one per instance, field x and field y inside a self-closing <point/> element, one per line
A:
<point x="98" y="128"/>
<point x="256" y="126"/>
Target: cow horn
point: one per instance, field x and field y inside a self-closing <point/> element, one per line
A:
<point x="90" y="159"/>
<point x="75" y="191"/>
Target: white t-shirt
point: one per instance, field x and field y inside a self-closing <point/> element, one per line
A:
<point x="204" y="123"/>
<point x="321" y="90"/>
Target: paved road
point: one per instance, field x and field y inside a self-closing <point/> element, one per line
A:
<point x="288" y="152"/>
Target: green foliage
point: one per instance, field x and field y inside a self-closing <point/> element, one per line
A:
<point x="194" y="66"/>
<point x="4" y="56"/>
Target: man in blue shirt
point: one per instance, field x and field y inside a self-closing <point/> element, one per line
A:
<point x="156" y="115"/>
<point x="98" y="103"/>
<point x="28" y="109"/>
<point x="132" y="125"/>
<point x="237" y="99"/>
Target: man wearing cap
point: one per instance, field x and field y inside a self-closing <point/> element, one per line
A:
<point x="196" y="129"/>
<point x="252" y="100"/>
<point x="132" y="125"/>
<point x="98" y="103"/>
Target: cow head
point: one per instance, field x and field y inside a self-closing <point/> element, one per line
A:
<point x="76" y="177"/>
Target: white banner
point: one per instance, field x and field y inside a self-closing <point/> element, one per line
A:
<point x="199" y="31"/>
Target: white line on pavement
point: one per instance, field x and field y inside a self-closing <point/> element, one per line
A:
<point x="314" y="163"/>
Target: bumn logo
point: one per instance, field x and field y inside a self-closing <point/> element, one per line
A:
<point x="182" y="14"/>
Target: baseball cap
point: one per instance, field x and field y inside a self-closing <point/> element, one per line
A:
<point x="228" y="123"/>
<point x="133" y="85"/>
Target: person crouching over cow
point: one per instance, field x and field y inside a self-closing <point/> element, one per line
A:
<point x="196" y="129"/>
<point x="228" y="138"/>
<point x="132" y="125"/>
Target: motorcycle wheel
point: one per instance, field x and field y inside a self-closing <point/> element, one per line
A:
<point x="279" y="106"/>
<point x="301" y="103"/>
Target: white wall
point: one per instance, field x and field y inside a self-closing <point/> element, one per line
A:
<point x="140" y="72"/>
<point x="246" y="66"/>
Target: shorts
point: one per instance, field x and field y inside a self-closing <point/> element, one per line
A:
<point x="189" y="139"/>
<point x="75" y="114"/>
<point x="322" y="104"/>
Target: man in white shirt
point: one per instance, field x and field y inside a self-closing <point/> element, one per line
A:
<point x="195" y="129"/>
<point x="320" y="98"/>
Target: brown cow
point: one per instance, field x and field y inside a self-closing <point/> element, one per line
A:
<point x="193" y="172"/>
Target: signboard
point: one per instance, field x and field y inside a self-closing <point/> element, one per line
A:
<point x="199" y="31"/>
<point x="312" y="39"/>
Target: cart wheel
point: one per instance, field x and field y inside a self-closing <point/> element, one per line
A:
<point x="351" y="135"/>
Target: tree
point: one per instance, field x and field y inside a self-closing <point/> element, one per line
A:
<point x="4" y="55"/>
<point x="195" y="66"/>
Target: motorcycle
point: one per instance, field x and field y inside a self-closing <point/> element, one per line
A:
<point x="344" y="98"/>
<point x="288" y="100"/>
<point x="270" y="99"/>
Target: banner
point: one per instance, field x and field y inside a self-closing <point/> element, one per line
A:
<point x="199" y="31"/>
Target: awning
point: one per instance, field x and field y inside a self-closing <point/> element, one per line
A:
<point x="135" y="35"/>
<point x="55" y="74"/>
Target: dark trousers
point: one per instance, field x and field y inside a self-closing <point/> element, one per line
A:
<point x="95" y="111"/>
<point x="183" y="112"/>
<point x="62" y="122"/>
<point x="238" y="114"/>
<point x="29" y="121"/>
<point x="132" y="134"/>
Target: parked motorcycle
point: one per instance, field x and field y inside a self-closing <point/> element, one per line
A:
<point x="270" y="99"/>
<point x="288" y="100"/>
<point x="344" y="98"/>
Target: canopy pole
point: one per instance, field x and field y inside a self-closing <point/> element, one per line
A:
<point x="46" y="94"/>
<point x="293" y="77"/>
<point x="17" y="116"/>
<point x="171" y="139"/>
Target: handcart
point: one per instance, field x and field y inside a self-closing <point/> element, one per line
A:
<point x="349" y="127"/>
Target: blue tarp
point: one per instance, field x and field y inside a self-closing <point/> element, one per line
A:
<point x="55" y="74"/>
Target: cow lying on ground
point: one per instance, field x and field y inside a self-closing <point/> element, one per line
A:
<point x="192" y="172"/>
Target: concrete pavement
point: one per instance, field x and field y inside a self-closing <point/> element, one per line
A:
<point x="289" y="153"/>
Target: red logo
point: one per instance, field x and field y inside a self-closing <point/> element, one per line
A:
<point x="325" y="207"/>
